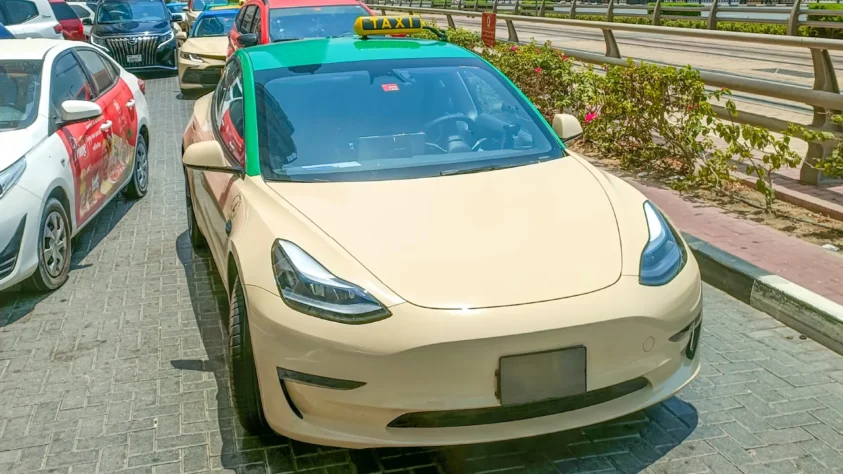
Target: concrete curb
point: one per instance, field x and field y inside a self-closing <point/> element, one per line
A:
<point x="805" y="311"/>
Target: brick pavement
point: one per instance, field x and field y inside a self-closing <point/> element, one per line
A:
<point x="123" y="370"/>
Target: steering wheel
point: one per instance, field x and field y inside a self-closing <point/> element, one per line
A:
<point x="437" y="125"/>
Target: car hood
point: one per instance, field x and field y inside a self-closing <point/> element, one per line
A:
<point x="131" y="27"/>
<point x="16" y="143"/>
<point x="521" y="235"/>
<point x="214" y="46"/>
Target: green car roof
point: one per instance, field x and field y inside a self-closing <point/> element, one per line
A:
<point x="339" y="50"/>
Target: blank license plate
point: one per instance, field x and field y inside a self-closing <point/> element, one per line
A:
<point x="541" y="376"/>
<point x="134" y="58"/>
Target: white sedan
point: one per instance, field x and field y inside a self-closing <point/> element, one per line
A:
<point x="74" y="129"/>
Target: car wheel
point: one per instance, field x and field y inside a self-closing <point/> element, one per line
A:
<point x="197" y="239"/>
<point x="140" y="174"/>
<point x="53" y="250"/>
<point x="243" y="375"/>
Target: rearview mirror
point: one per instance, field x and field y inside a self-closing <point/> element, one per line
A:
<point x="181" y="36"/>
<point x="78" y="111"/>
<point x="567" y="127"/>
<point x="208" y="156"/>
<point x="177" y="18"/>
<point x="246" y="40"/>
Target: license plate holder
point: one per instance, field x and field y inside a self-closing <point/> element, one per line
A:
<point x="134" y="58"/>
<point x="527" y="378"/>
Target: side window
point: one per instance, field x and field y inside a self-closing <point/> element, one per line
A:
<point x="228" y="111"/>
<point x="19" y="11"/>
<point x="248" y="18"/>
<point x="68" y="82"/>
<point x="103" y="77"/>
<point x="238" y="21"/>
<point x="256" y="25"/>
<point x="81" y="12"/>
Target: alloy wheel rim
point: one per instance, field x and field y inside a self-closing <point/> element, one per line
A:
<point x="55" y="245"/>
<point x="141" y="167"/>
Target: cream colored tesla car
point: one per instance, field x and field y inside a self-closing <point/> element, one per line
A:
<point x="413" y="257"/>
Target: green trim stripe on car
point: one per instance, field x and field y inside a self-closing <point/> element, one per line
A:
<point x="253" y="165"/>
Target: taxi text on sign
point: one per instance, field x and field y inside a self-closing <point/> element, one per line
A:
<point x="387" y="25"/>
<point x="487" y="30"/>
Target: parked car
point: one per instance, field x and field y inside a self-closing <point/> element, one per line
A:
<point x="30" y="19"/>
<point x="267" y="21"/>
<point x="177" y="8"/>
<point x="5" y="33"/>
<point x="139" y="34"/>
<point x="413" y="256"/>
<point x="202" y="56"/>
<point x="71" y="24"/>
<point x="195" y="8"/>
<point x="74" y="129"/>
<point x="86" y="15"/>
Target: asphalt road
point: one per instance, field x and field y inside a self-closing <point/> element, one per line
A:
<point x="123" y="370"/>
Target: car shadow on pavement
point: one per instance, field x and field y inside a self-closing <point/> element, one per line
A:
<point x="628" y="444"/>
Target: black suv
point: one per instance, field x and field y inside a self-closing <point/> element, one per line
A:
<point x="137" y="33"/>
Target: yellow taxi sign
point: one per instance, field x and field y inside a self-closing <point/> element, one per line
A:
<point x="388" y="25"/>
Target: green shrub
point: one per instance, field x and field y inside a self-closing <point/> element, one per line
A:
<point x="668" y="11"/>
<point x="835" y="17"/>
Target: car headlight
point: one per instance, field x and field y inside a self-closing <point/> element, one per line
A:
<point x="191" y="57"/>
<point x="306" y="286"/>
<point x="664" y="255"/>
<point x="11" y="175"/>
<point x="170" y="36"/>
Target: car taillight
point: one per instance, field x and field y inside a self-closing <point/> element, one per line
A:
<point x="142" y="86"/>
<point x="57" y="28"/>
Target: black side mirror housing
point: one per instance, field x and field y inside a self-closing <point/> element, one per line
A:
<point x="247" y="39"/>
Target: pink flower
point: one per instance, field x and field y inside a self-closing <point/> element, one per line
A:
<point x="591" y="116"/>
<point x="538" y="70"/>
<point x="564" y="57"/>
<point x="605" y="67"/>
<point x="513" y="48"/>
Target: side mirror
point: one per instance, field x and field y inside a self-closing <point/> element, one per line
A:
<point x="567" y="127"/>
<point x="208" y="156"/>
<point x="181" y="36"/>
<point x="185" y="8"/>
<point x="176" y="18"/>
<point x="247" y="39"/>
<point x="73" y="111"/>
<point x="87" y="21"/>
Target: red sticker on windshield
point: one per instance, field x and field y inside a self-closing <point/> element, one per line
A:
<point x="389" y="87"/>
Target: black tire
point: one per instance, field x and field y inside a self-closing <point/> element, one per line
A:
<point x="197" y="239"/>
<point x="243" y="376"/>
<point x="53" y="267"/>
<point x="139" y="182"/>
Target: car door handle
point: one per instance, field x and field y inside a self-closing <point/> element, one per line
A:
<point x="106" y="126"/>
<point x="131" y="104"/>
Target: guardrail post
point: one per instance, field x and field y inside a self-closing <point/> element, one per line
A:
<point x="510" y="28"/>
<point x="451" y="25"/>
<point x="712" y="16"/>
<point x="495" y="6"/>
<point x="475" y="5"/>
<point x="541" y="10"/>
<point x="825" y="79"/>
<point x="610" y="11"/>
<point x="657" y="13"/>
<point x="515" y="10"/>
<point x="793" y="20"/>
<point x="612" y="49"/>
<point x="383" y="11"/>
<point x="573" y="14"/>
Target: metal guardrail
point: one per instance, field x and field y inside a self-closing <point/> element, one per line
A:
<point x="824" y="97"/>
<point x="655" y="13"/>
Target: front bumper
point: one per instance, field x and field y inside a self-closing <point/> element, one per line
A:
<point x="200" y="75"/>
<point x="20" y="215"/>
<point x="428" y="371"/>
<point x="152" y="54"/>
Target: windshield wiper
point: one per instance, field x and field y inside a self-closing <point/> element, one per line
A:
<point x="481" y="169"/>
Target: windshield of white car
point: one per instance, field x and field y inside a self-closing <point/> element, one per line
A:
<point x="119" y="12"/>
<point x="313" y="22"/>
<point x="199" y="5"/>
<point x="217" y="25"/>
<point x="20" y="88"/>
<point x="385" y="120"/>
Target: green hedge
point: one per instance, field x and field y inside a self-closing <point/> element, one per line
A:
<point x="667" y="11"/>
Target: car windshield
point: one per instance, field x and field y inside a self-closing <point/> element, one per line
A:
<point x="175" y="7"/>
<point x="199" y="5"/>
<point x="217" y="25"/>
<point x="313" y="22"/>
<point x="382" y="120"/>
<point x="118" y="12"/>
<point x="20" y="86"/>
